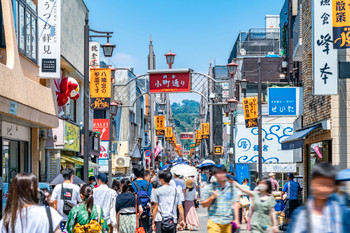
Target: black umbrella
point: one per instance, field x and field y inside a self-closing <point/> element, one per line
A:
<point x="59" y="180"/>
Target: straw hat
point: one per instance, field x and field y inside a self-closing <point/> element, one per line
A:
<point x="189" y="183"/>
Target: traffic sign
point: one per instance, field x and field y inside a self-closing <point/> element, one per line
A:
<point x="147" y="153"/>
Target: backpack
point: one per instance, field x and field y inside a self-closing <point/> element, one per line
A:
<point x="144" y="198"/>
<point x="92" y="227"/>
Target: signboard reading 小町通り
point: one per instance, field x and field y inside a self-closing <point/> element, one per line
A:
<point x="247" y="148"/>
<point x="325" y="57"/>
<point x="250" y="108"/>
<point x="49" y="38"/>
<point x="341" y="24"/>
<point x="71" y="137"/>
<point x="100" y="88"/>
<point x="285" y="101"/>
<point x="161" y="82"/>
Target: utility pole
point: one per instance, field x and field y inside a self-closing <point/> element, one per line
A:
<point x="151" y="66"/>
<point x="259" y="121"/>
<point x="211" y="125"/>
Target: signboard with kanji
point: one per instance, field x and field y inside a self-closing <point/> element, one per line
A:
<point x="205" y="130"/>
<point x="94" y="54"/>
<point x="49" y="42"/>
<point x="325" y="58"/>
<point x="285" y="101"/>
<point x="168" y="133"/>
<point x="71" y="137"/>
<point x="100" y="103"/>
<point x="341" y="23"/>
<point x="160" y="125"/>
<point x="218" y="150"/>
<point x="250" y="109"/>
<point x="102" y="126"/>
<point x="187" y="136"/>
<point x="170" y="82"/>
<point x="100" y="83"/>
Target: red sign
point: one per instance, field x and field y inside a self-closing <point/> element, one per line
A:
<point x="102" y="126"/>
<point x="170" y="82"/>
<point x="185" y="136"/>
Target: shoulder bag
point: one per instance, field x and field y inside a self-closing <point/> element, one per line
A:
<point x="48" y="213"/>
<point x="138" y="229"/>
<point x="67" y="206"/>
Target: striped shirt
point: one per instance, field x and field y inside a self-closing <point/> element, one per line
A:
<point x="221" y="211"/>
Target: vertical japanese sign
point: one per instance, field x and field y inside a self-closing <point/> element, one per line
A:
<point x="198" y="137"/>
<point x="100" y="88"/>
<point x="168" y="133"/>
<point x="160" y="125"/>
<point x="205" y="130"/>
<point x="341" y="24"/>
<point x="94" y="54"/>
<point x="325" y="58"/>
<point x="250" y="108"/>
<point x="49" y="38"/>
<point x="169" y="82"/>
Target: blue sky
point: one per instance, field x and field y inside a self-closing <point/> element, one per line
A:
<point x="196" y="30"/>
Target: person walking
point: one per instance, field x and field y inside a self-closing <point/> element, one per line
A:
<point x="322" y="213"/>
<point x="264" y="216"/>
<point x="219" y="197"/>
<point x="244" y="201"/>
<point x="167" y="201"/>
<point x="92" y="182"/>
<point x="104" y="197"/>
<point x="179" y="182"/>
<point x="292" y="189"/>
<point x="86" y="214"/>
<point x="143" y="189"/>
<point x="66" y="194"/>
<point x="23" y="213"/>
<point x="191" y="218"/>
<point x="274" y="182"/>
<point x="128" y="208"/>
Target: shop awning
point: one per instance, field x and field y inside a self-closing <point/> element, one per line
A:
<point x="78" y="161"/>
<point x="296" y="140"/>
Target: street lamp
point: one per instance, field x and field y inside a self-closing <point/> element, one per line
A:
<point x="232" y="103"/>
<point x="107" y="51"/>
<point x="232" y="68"/>
<point x="244" y="84"/>
<point x="170" y="57"/>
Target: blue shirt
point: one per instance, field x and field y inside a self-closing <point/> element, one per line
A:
<point x="292" y="189"/>
<point x="142" y="185"/>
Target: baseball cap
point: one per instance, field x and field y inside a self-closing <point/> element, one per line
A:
<point x="103" y="177"/>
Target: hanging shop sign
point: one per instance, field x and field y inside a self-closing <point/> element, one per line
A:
<point x="172" y="81"/>
<point x="325" y="57"/>
<point x="285" y="101"/>
<point x="250" y="108"/>
<point x="49" y="41"/>
<point x="100" y="88"/>
<point x="168" y="133"/>
<point x="218" y="150"/>
<point x="187" y="136"/>
<point x="205" y="130"/>
<point x="103" y="158"/>
<point x="160" y="125"/>
<point x="94" y="54"/>
<point x="71" y="137"/>
<point x="102" y="126"/>
<point x="341" y="23"/>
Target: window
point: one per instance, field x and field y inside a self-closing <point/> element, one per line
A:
<point x="26" y="19"/>
<point x="2" y="33"/>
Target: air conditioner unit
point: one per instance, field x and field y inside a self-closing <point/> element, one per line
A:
<point x="123" y="161"/>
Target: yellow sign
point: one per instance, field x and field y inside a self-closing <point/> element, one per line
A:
<point x="160" y="125"/>
<point x="198" y="134"/>
<point x="100" y="83"/>
<point x="218" y="150"/>
<point x="168" y="133"/>
<point x="71" y="137"/>
<point x="205" y="130"/>
<point x="341" y="26"/>
<point x="250" y="108"/>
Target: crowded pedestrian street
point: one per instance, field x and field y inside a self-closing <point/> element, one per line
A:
<point x="157" y="116"/>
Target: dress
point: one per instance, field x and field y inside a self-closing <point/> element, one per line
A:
<point x="80" y="215"/>
<point x="261" y="216"/>
<point x="190" y="210"/>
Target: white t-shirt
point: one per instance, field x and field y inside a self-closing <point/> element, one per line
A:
<point x="316" y="221"/>
<point x="190" y="195"/>
<point x="36" y="221"/>
<point x="72" y="194"/>
<point x="164" y="196"/>
<point x="103" y="196"/>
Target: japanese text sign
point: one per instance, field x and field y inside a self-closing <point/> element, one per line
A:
<point x="100" y="83"/>
<point x="250" y="108"/>
<point x="285" y="101"/>
<point x="205" y="130"/>
<point x="71" y="137"/>
<point x="102" y="126"/>
<point x="94" y="54"/>
<point x="103" y="158"/>
<point x="100" y="103"/>
<point x="169" y="82"/>
<point x="160" y="125"/>
<point x="168" y="133"/>
<point x="49" y="40"/>
<point x="187" y="136"/>
<point x="325" y="58"/>
<point x="341" y="23"/>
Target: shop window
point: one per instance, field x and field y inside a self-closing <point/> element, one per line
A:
<point x="320" y="152"/>
<point x="26" y="19"/>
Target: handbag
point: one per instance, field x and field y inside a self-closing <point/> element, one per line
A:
<point x="168" y="221"/>
<point x="67" y="206"/>
<point x="244" y="202"/>
<point x="196" y="204"/>
<point x="138" y="229"/>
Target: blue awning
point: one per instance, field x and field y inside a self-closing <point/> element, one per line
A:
<point x="296" y="140"/>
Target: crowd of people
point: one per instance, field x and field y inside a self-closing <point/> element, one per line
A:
<point x="166" y="202"/>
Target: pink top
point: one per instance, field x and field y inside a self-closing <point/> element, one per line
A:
<point x="274" y="184"/>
